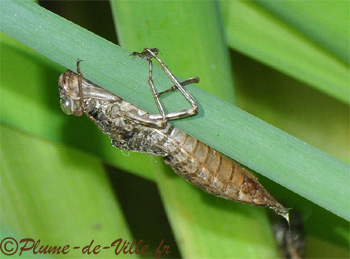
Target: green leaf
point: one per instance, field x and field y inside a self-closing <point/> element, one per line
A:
<point x="259" y="34"/>
<point x="193" y="214"/>
<point x="326" y="23"/>
<point x="254" y="143"/>
<point x="57" y="195"/>
<point x="172" y="23"/>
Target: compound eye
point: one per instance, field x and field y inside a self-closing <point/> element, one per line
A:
<point x="66" y="105"/>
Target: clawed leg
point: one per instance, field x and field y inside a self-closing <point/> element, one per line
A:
<point x="148" y="54"/>
<point x="145" y="54"/>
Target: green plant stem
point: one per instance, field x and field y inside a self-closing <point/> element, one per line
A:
<point x="175" y="28"/>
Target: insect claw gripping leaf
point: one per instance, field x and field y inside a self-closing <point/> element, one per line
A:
<point x="134" y="129"/>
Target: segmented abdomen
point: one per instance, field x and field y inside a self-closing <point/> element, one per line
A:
<point x="215" y="173"/>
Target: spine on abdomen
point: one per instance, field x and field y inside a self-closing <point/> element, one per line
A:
<point x="215" y="173"/>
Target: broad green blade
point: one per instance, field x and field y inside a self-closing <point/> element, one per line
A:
<point x="324" y="22"/>
<point x="197" y="218"/>
<point x="256" y="144"/>
<point x="252" y="30"/>
<point x="56" y="194"/>
<point x="203" y="50"/>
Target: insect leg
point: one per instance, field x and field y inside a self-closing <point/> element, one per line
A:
<point x="187" y="95"/>
<point x="80" y="86"/>
<point x="192" y="80"/>
<point x="148" y="54"/>
<point x="145" y="54"/>
<point x="155" y="95"/>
